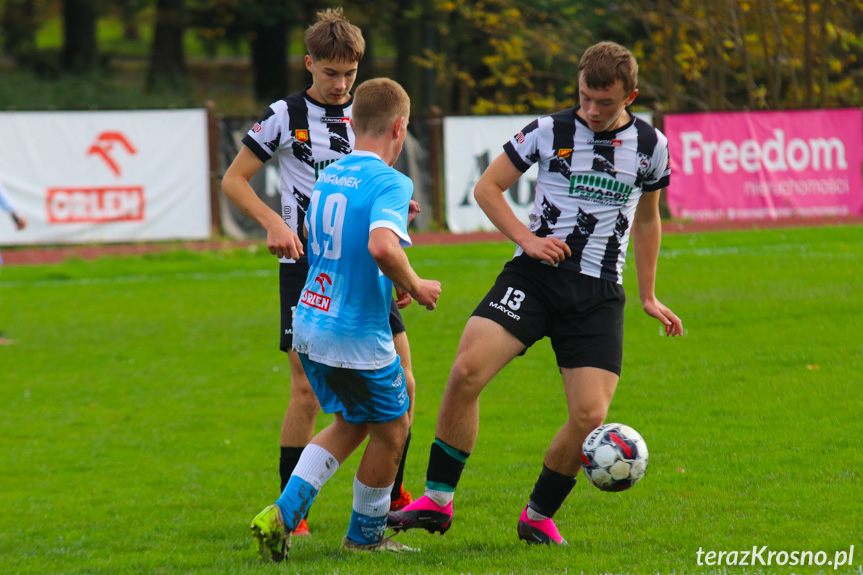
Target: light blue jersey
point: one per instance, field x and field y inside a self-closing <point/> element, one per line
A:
<point x="342" y="318"/>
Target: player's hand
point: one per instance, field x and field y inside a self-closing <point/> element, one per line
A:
<point x="403" y="298"/>
<point x="550" y="250"/>
<point x="284" y="243"/>
<point x="428" y="293"/>
<point x="655" y="308"/>
<point x="20" y="221"/>
<point x="413" y="210"/>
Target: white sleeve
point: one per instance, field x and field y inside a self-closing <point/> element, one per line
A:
<point x="6" y="202"/>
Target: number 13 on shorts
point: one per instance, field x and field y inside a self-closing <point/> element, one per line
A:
<point x="513" y="298"/>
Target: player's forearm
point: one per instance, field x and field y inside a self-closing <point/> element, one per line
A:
<point x="241" y="194"/>
<point x="490" y="198"/>
<point x="392" y="260"/>
<point x="646" y="237"/>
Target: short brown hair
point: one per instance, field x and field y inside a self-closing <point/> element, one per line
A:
<point x="377" y="104"/>
<point x="332" y="37"/>
<point x="605" y="63"/>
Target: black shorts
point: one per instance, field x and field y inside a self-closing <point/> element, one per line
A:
<point x="582" y="315"/>
<point x="292" y="278"/>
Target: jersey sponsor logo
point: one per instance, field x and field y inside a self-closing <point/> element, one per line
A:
<point x="321" y="165"/>
<point x="315" y="300"/>
<point x="564" y="152"/>
<point x="105" y="146"/>
<point x="393" y="213"/>
<point x="610" y="143"/>
<point x="95" y="205"/>
<point x="301" y="135"/>
<point x="519" y="137"/>
<point x="593" y="188"/>
<point x="257" y="128"/>
<point x="322" y="277"/>
<point x="335" y="120"/>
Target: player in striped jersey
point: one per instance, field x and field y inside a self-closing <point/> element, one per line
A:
<point x="600" y="174"/>
<point x="307" y="131"/>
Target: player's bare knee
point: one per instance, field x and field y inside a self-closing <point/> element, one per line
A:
<point x="465" y="379"/>
<point x="588" y="419"/>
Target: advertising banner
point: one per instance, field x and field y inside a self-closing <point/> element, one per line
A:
<point x="106" y="176"/>
<point x="470" y="144"/>
<point x="765" y="165"/>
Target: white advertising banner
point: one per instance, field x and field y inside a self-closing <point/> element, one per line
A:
<point x="106" y="176"/>
<point x="470" y="144"/>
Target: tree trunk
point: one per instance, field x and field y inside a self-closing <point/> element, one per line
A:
<point x="367" y="69"/>
<point x="407" y="34"/>
<point x="667" y="57"/>
<point x="823" y="53"/>
<point x="167" y="56"/>
<point x="769" y="57"/>
<point x="80" y="49"/>
<point x="270" y="59"/>
<point x="129" y="16"/>
<point x="18" y="22"/>
<point x="786" y="52"/>
<point x="739" y="28"/>
<point x="807" y="53"/>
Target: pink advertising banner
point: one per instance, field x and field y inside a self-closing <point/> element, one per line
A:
<point x="765" y="165"/>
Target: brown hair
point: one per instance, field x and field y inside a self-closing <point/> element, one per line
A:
<point x="377" y="104"/>
<point x="332" y="37"/>
<point x="605" y="63"/>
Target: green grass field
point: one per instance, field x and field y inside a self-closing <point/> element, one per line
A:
<point x="142" y="404"/>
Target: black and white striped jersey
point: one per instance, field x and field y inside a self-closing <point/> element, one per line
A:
<point x="589" y="184"/>
<point x="307" y="136"/>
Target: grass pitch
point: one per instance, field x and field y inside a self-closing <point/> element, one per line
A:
<point x="141" y="411"/>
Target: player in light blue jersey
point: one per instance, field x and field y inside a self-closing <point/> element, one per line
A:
<point x="357" y="228"/>
<point x="7" y="205"/>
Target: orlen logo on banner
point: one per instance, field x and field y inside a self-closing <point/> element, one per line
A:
<point x="99" y="204"/>
<point x="95" y="205"/>
<point x="104" y="147"/>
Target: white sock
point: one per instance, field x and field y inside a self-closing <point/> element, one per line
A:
<point x="535" y="515"/>
<point x="442" y="498"/>
<point x="371" y="501"/>
<point x="316" y="466"/>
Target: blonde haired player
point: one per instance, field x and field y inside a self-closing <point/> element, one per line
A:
<point x="357" y="229"/>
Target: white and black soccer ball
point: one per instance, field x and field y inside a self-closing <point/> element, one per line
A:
<point x="614" y="457"/>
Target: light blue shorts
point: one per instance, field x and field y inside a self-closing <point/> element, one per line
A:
<point x="362" y="396"/>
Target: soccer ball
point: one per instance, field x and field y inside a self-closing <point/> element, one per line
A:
<point x="614" y="457"/>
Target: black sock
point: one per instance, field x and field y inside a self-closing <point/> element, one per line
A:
<point x="400" y="474"/>
<point x="287" y="462"/>
<point x="446" y="464"/>
<point x="550" y="491"/>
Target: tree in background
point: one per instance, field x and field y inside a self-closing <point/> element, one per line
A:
<point x="80" y="48"/>
<point x="494" y="56"/>
<point x="18" y="22"/>
<point x="167" y="64"/>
